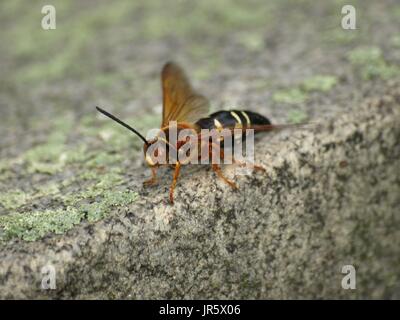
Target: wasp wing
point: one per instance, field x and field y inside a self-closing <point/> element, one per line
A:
<point x="180" y="102"/>
<point x="272" y="127"/>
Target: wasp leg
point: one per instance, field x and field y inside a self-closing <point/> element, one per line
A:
<point x="215" y="148"/>
<point x="253" y="166"/>
<point x="242" y="164"/>
<point x="174" y="180"/>
<point x="153" y="179"/>
<point x="218" y="171"/>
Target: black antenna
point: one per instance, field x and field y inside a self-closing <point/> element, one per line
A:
<point x="122" y="124"/>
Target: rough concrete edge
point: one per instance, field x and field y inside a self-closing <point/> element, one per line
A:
<point x="21" y="263"/>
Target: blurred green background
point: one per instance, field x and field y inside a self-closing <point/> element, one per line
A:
<point x="112" y="52"/>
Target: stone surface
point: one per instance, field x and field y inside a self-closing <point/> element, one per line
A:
<point x="330" y="198"/>
<point x="70" y="180"/>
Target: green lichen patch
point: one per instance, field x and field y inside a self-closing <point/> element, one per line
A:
<point x="98" y="210"/>
<point x="205" y="72"/>
<point x="87" y="24"/>
<point x="300" y="93"/>
<point x="29" y="41"/>
<point x="103" y="158"/>
<point x="94" y="183"/>
<point x="396" y="11"/>
<point x="86" y="156"/>
<point x="97" y="172"/>
<point x="362" y="56"/>
<point x="252" y="41"/>
<point x="227" y="15"/>
<point x="371" y="63"/>
<point x="114" y="137"/>
<point x="49" y="156"/>
<point x="16" y="198"/>
<point x="49" y="151"/>
<point x="34" y="225"/>
<point x="76" y="154"/>
<point x="290" y="96"/>
<point x="321" y="83"/>
<point x="339" y="36"/>
<point x="297" y="116"/>
<point x="5" y="169"/>
<point x="395" y="41"/>
<point x="31" y="226"/>
<point x="55" y="154"/>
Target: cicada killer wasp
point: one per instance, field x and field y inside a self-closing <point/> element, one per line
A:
<point x="189" y="110"/>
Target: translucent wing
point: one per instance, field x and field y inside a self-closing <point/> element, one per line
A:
<point x="268" y="127"/>
<point x="180" y="102"/>
<point x="274" y="127"/>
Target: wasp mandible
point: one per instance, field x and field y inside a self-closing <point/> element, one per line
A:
<point x="188" y="109"/>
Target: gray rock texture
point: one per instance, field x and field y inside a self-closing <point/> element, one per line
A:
<point x="330" y="198"/>
<point x="71" y="195"/>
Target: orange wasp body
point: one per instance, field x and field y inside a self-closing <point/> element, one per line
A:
<point x="189" y="110"/>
